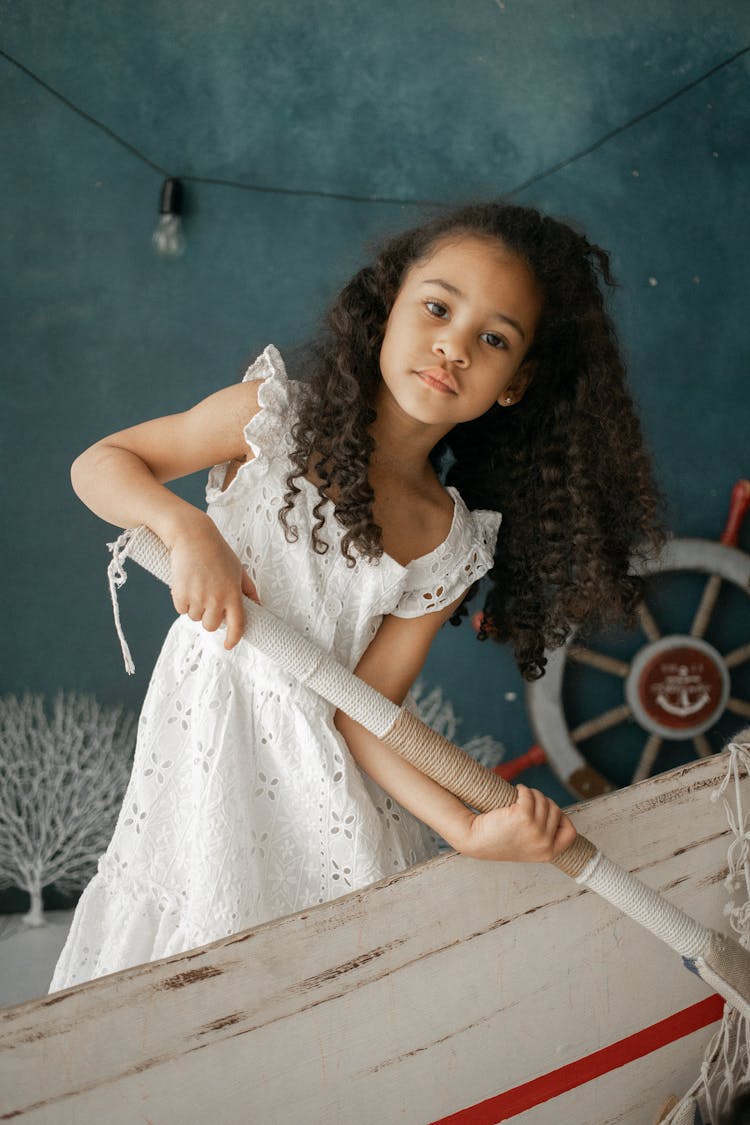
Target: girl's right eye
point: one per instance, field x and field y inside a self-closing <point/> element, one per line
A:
<point x="436" y="309"/>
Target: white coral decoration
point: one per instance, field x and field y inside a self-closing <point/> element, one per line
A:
<point x="62" y="781"/>
<point x="437" y="712"/>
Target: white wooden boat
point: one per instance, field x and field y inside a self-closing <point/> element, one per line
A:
<point x="459" y="991"/>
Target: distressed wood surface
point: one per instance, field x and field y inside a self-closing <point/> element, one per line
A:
<point x="408" y="1001"/>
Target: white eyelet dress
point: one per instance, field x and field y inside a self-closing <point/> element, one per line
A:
<point x="244" y="802"/>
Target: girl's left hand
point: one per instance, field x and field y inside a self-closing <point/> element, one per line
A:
<point x="533" y="830"/>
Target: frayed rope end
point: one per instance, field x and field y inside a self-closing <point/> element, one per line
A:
<point x="117" y="578"/>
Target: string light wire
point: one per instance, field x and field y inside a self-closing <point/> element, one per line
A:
<point x="345" y="196"/>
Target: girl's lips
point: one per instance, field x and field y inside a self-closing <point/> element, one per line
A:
<point x="439" y="379"/>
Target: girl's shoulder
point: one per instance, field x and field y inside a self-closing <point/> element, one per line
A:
<point x="278" y="397"/>
<point x="436" y="579"/>
<point x="411" y="523"/>
<point x="266" y="429"/>
<point x="269" y="372"/>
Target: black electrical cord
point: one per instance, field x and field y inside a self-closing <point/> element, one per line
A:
<point x="378" y="198"/>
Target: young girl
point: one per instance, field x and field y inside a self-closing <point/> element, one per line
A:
<point x="477" y="341"/>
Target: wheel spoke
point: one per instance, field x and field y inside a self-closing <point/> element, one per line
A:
<point x="702" y="746"/>
<point x="649" y="626"/>
<point x="739" y="707"/>
<point x="648" y="757"/>
<point x="601" y="722"/>
<point x="599" y="660"/>
<point x="706" y="607"/>
<point x="738" y="656"/>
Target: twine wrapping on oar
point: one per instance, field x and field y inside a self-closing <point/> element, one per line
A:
<point x="719" y="960"/>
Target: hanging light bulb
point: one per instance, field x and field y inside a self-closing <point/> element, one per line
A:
<point x="168" y="240"/>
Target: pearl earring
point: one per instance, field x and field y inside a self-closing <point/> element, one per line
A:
<point x="509" y="399"/>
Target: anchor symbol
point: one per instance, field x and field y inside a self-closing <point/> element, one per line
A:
<point x="681" y="686"/>
<point x="684" y="707"/>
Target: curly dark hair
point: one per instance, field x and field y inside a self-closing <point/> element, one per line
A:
<point x="565" y="465"/>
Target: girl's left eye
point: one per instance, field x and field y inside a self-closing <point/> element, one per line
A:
<point x="495" y="341"/>
<point x="436" y="309"/>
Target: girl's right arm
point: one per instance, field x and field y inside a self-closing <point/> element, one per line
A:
<point x="121" y="478"/>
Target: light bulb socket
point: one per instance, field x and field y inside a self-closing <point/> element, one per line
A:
<point x="170" y="198"/>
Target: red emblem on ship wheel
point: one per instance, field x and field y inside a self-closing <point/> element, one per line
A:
<point x="677" y="686"/>
<point x="681" y="687"/>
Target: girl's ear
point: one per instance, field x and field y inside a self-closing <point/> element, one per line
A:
<point x="518" y="385"/>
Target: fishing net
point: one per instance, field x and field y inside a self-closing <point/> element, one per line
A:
<point x="721" y="1093"/>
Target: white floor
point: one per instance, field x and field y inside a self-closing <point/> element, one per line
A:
<point x="28" y="955"/>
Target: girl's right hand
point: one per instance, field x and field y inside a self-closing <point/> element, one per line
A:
<point x="533" y="830"/>
<point x="207" y="580"/>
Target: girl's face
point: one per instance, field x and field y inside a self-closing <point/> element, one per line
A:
<point x="458" y="332"/>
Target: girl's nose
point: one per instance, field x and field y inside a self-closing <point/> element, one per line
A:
<point x="453" y="348"/>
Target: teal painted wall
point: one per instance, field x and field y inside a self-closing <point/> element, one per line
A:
<point x="429" y="100"/>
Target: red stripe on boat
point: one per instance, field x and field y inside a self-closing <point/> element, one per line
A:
<point x="548" y="1086"/>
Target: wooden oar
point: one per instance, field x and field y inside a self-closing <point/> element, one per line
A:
<point x="719" y="960"/>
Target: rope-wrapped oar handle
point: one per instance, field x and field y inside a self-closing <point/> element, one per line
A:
<point x="721" y="962"/>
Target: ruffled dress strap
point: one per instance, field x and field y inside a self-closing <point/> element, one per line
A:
<point x="268" y="431"/>
<point x="437" y="579"/>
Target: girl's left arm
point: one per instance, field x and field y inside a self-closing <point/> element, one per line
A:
<point x="534" y="829"/>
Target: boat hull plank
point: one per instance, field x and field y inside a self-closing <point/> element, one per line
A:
<point x="444" y="987"/>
